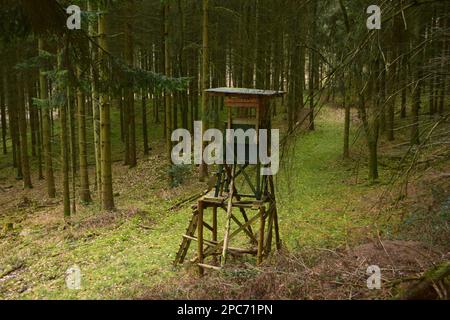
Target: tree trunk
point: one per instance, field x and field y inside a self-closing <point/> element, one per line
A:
<point x="64" y="141"/>
<point x="415" y="134"/>
<point x="11" y="91"/>
<point x="347" y="109"/>
<point x="167" y="72"/>
<point x="85" y="194"/>
<point x="313" y="66"/>
<point x="23" y="135"/>
<point x="129" y="115"/>
<point x="105" y="123"/>
<point x="371" y="129"/>
<point x="46" y="132"/>
<point x="393" y="80"/>
<point x="3" y="109"/>
<point x="71" y="103"/>
<point x="203" y="170"/>
<point x="93" y="30"/>
<point x="443" y="78"/>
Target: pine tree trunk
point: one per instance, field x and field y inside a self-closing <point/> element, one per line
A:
<point x="130" y="115"/>
<point x="144" y="66"/>
<point x="105" y="123"/>
<point x="203" y="170"/>
<point x="125" y="114"/>
<point x="167" y="72"/>
<point x="313" y="74"/>
<point x="71" y="103"/>
<point x="85" y="195"/>
<point x="390" y="120"/>
<point x="403" y="102"/>
<point x="23" y="134"/>
<point x="46" y="132"/>
<point x="95" y="106"/>
<point x="11" y="91"/>
<point x="443" y="78"/>
<point x="35" y="125"/>
<point x="32" y="116"/>
<point x="64" y="141"/>
<point x="371" y="129"/>
<point x="3" y="109"/>
<point x="346" y="121"/>
<point x="415" y="111"/>
<point x="145" y="123"/>
<point x="39" y="142"/>
<point x="382" y="98"/>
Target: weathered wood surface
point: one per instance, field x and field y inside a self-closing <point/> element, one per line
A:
<point x="244" y="92"/>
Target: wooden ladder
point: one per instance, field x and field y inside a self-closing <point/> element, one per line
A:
<point x="186" y="242"/>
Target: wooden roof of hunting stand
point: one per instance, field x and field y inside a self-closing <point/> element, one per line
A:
<point x="245" y="98"/>
<point x="251" y="108"/>
<point x="243" y="92"/>
<point x="242" y="99"/>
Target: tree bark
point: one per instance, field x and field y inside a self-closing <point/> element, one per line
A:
<point x="85" y="194"/>
<point x="203" y="170"/>
<point x="93" y="31"/>
<point x="46" y="132"/>
<point x="3" y="109"/>
<point x="23" y="135"/>
<point x="105" y="121"/>
<point x="64" y="140"/>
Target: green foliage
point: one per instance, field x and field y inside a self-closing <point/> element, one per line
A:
<point x="41" y="103"/>
<point x="125" y="76"/>
<point x="45" y="60"/>
<point x="178" y="174"/>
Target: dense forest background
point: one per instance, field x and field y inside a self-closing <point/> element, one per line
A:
<point x="87" y="117"/>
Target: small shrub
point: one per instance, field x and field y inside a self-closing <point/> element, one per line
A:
<point x="178" y="174"/>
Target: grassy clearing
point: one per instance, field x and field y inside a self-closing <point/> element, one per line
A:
<point x="320" y="206"/>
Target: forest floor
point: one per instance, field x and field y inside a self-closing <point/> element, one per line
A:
<point x="333" y="225"/>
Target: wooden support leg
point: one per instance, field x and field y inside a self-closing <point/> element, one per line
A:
<point x="229" y="214"/>
<point x="262" y="219"/>
<point x="275" y="213"/>
<point x="277" y="231"/>
<point x="200" y="237"/>
<point x="268" y="244"/>
<point x="214" y="227"/>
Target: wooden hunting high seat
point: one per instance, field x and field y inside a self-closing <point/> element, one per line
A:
<point x="247" y="109"/>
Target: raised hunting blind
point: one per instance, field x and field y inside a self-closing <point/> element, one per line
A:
<point x="246" y="197"/>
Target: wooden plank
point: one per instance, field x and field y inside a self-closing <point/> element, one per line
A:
<point x="185" y="244"/>
<point x="275" y="214"/>
<point x="253" y="205"/>
<point x="251" y="236"/>
<point x="215" y="244"/>
<point x="214" y="229"/>
<point x="244" y="215"/>
<point x="268" y="241"/>
<point x="200" y="236"/>
<point x="244" y="92"/>
<point x="242" y="102"/>
<point x="261" y="235"/>
<point x="207" y="242"/>
<point x="229" y="213"/>
<point x="233" y="234"/>
<point x="207" y="226"/>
